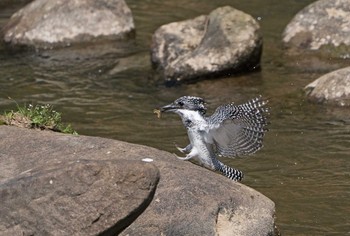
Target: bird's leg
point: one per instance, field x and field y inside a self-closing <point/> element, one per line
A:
<point x="186" y="149"/>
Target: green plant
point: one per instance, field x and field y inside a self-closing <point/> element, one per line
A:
<point x="38" y="116"/>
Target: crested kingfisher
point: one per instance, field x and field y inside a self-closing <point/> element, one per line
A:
<point x="231" y="131"/>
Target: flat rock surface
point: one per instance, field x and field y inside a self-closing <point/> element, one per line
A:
<point x="324" y="23"/>
<point x="332" y="88"/>
<point x="44" y="23"/>
<point x="52" y="183"/>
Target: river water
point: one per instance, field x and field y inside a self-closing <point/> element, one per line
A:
<point x="109" y="90"/>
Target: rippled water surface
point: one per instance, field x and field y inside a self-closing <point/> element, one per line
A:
<point x="304" y="166"/>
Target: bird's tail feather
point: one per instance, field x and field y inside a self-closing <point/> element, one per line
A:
<point x="230" y="172"/>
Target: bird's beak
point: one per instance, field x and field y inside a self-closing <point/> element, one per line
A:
<point x="169" y="108"/>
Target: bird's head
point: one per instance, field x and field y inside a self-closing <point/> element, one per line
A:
<point x="186" y="103"/>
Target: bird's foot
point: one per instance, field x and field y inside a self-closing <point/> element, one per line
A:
<point x="182" y="150"/>
<point x="186" y="149"/>
<point x="187" y="157"/>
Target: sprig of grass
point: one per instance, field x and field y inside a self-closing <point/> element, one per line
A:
<point x="37" y="117"/>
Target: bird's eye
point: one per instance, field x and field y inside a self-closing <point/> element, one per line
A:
<point x="180" y="104"/>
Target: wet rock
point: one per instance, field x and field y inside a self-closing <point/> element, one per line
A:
<point x="49" y="23"/>
<point x="225" y="41"/>
<point x="79" y="185"/>
<point x="331" y="88"/>
<point x="323" y="25"/>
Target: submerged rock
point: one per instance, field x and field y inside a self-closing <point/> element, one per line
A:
<point x="332" y="88"/>
<point x="225" y="41"/>
<point x="323" y="25"/>
<point x="79" y="185"/>
<point x="48" y="23"/>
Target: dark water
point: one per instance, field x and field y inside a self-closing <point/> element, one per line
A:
<point x="304" y="167"/>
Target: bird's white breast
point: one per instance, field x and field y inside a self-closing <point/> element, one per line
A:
<point x="197" y="129"/>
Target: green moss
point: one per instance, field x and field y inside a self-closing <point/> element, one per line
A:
<point x="37" y="117"/>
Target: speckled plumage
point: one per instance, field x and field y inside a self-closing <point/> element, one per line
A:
<point x="231" y="131"/>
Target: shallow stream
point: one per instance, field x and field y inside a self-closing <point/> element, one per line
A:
<point x="304" y="167"/>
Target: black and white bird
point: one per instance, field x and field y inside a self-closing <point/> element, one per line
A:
<point x="231" y="131"/>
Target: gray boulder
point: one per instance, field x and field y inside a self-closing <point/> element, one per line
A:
<point x="59" y="184"/>
<point x="49" y="23"/>
<point x="324" y="24"/>
<point x="331" y="88"/>
<point x="225" y="41"/>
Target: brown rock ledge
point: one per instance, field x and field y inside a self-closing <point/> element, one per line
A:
<point x="56" y="184"/>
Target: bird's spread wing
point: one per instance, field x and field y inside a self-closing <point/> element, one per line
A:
<point x="238" y="130"/>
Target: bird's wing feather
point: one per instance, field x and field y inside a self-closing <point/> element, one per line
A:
<point x="238" y="130"/>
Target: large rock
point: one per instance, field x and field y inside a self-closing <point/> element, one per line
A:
<point x="81" y="197"/>
<point x="225" y="41"/>
<point x="324" y="24"/>
<point x="45" y="23"/>
<point x="331" y="88"/>
<point x="78" y="185"/>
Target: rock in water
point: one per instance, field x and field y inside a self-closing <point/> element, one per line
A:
<point x="324" y="24"/>
<point x="331" y="88"/>
<point x="225" y="41"/>
<point x="45" y="23"/>
<point x="52" y="183"/>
